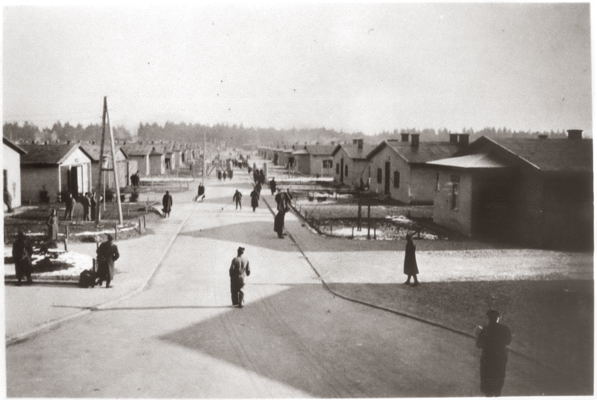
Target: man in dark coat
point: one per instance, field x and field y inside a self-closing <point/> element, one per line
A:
<point x="200" y="192"/>
<point x="69" y="204"/>
<point x="272" y="186"/>
<point x="22" y="249"/>
<point x="410" y="261"/>
<point x="239" y="269"/>
<point x="282" y="204"/>
<point x="84" y="200"/>
<point x="493" y="339"/>
<point x="92" y="204"/>
<point x="107" y="254"/>
<point x="237" y="197"/>
<point x="167" y="203"/>
<point x="135" y="179"/>
<point x="254" y="199"/>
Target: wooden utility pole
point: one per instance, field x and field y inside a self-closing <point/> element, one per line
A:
<point x="106" y="120"/>
<point x="204" y="155"/>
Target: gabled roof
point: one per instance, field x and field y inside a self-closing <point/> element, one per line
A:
<point x="136" y="149"/>
<point x="353" y="150"/>
<point x="320" y="149"/>
<point x="49" y="154"/>
<point x="94" y="150"/>
<point x="424" y="152"/>
<point x="13" y="145"/>
<point x="471" y="161"/>
<point x="300" y="152"/>
<point x="548" y="155"/>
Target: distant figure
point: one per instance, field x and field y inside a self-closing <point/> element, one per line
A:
<point x="44" y="197"/>
<point x="493" y="339"/>
<point x="258" y="189"/>
<point x="224" y="175"/>
<point x="239" y="269"/>
<point x="7" y="200"/>
<point x="69" y="204"/>
<point x="249" y="170"/>
<point x="237" y="199"/>
<point x="219" y="175"/>
<point x="84" y="200"/>
<point x="282" y="204"/>
<point x="230" y="173"/>
<point x="93" y="204"/>
<point x="135" y="179"/>
<point x="272" y="185"/>
<point x="167" y="204"/>
<point x="22" y="250"/>
<point x="107" y="254"/>
<point x="254" y="199"/>
<point x="410" y="261"/>
<point x="200" y="192"/>
<point x="52" y="224"/>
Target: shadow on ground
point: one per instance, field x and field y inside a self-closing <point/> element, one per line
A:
<point x="305" y="338"/>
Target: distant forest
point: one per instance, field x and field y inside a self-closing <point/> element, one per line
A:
<point x="235" y="135"/>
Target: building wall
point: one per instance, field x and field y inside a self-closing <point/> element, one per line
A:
<point x="140" y="164"/>
<point x="33" y="179"/>
<point x="156" y="165"/>
<point x="316" y="165"/>
<point x="12" y="164"/>
<point x="356" y="169"/>
<point x="402" y="192"/>
<point x="460" y="217"/>
<point x="303" y="164"/>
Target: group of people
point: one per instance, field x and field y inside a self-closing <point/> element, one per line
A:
<point x="283" y="202"/>
<point x="258" y="176"/>
<point x="88" y="201"/>
<point x="223" y="174"/>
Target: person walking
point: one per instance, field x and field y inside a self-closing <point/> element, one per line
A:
<point x="167" y="204"/>
<point x="239" y="270"/>
<point x="69" y="204"/>
<point x="254" y="199"/>
<point x="282" y="207"/>
<point x="410" y="261"/>
<point x="22" y="250"/>
<point x="107" y="254"/>
<point x="272" y="185"/>
<point x="52" y="224"/>
<point x="200" y="192"/>
<point x="237" y="199"/>
<point x="493" y="340"/>
<point x="86" y="206"/>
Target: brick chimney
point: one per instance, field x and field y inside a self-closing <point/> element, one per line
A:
<point x="414" y="139"/>
<point x="542" y="136"/>
<point x="574" y="134"/>
<point x="404" y="137"/>
<point x="453" y="138"/>
<point x="463" y="139"/>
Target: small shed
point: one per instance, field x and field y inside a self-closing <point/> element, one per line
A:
<point x="138" y="156"/>
<point x="122" y="164"/>
<point x="157" y="165"/>
<point x="59" y="168"/>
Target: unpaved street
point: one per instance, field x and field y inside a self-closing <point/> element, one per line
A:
<point x="181" y="338"/>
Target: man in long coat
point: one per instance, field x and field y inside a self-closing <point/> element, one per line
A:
<point x="167" y="203"/>
<point x="107" y="254"/>
<point x="410" y="261"/>
<point x="84" y="200"/>
<point x="254" y="199"/>
<point x="272" y="185"/>
<point x="22" y="249"/>
<point x="493" y="339"/>
<point x="69" y="204"/>
<point x="239" y="270"/>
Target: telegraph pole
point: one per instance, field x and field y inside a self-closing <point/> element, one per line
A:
<point x="114" y="164"/>
<point x="100" y="184"/>
<point x="204" y="155"/>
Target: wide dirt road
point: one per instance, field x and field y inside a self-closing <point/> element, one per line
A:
<point x="181" y="337"/>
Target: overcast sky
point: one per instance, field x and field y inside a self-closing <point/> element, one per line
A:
<point x="353" y="67"/>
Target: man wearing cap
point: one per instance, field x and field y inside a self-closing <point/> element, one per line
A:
<point x="493" y="339"/>
<point x="107" y="254"/>
<point x="239" y="269"/>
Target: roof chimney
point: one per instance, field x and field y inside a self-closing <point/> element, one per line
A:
<point x="463" y="139"/>
<point x="453" y="138"/>
<point x="542" y="136"/>
<point x="414" y="139"/>
<point x="359" y="144"/>
<point x="574" y="134"/>
<point x="404" y="137"/>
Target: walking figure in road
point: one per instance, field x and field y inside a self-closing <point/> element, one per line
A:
<point x="493" y="339"/>
<point x="22" y="250"/>
<point x="237" y="199"/>
<point x="224" y="175"/>
<point x="410" y="261"/>
<point x="272" y="185"/>
<point x="239" y="269"/>
<point x="135" y="179"/>
<point x="254" y="199"/>
<point x="200" y="192"/>
<point x="69" y="202"/>
<point x="282" y="204"/>
<point x="219" y="174"/>
<point x="107" y="254"/>
<point x="52" y="224"/>
<point x="167" y="204"/>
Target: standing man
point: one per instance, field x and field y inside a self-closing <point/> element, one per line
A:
<point x="86" y="205"/>
<point x="69" y="203"/>
<point x="237" y="199"/>
<point x="493" y="339"/>
<point x="239" y="269"/>
<point x="272" y="185"/>
<point x="135" y="179"/>
<point x="167" y="203"/>
<point x="22" y="249"/>
<point x="254" y="199"/>
<point x="410" y="261"/>
<point x="107" y="254"/>
<point x="52" y="224"/>
<point x="92" y="203"/>
<point x="200" y="192"/>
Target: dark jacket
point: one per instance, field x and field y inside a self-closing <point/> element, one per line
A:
<point x="410" y="261"/>
<point x="254" y="199"/>
<point x="107" y="254"/>
<point x="239" y="268"/>
<point x="493" y="340"/>
<point x="22" y="249"/>
<point x="167" y="202"/>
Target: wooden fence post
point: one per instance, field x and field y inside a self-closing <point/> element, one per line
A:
<point x="115" y="232"/>
<point x="369" y="221"/>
